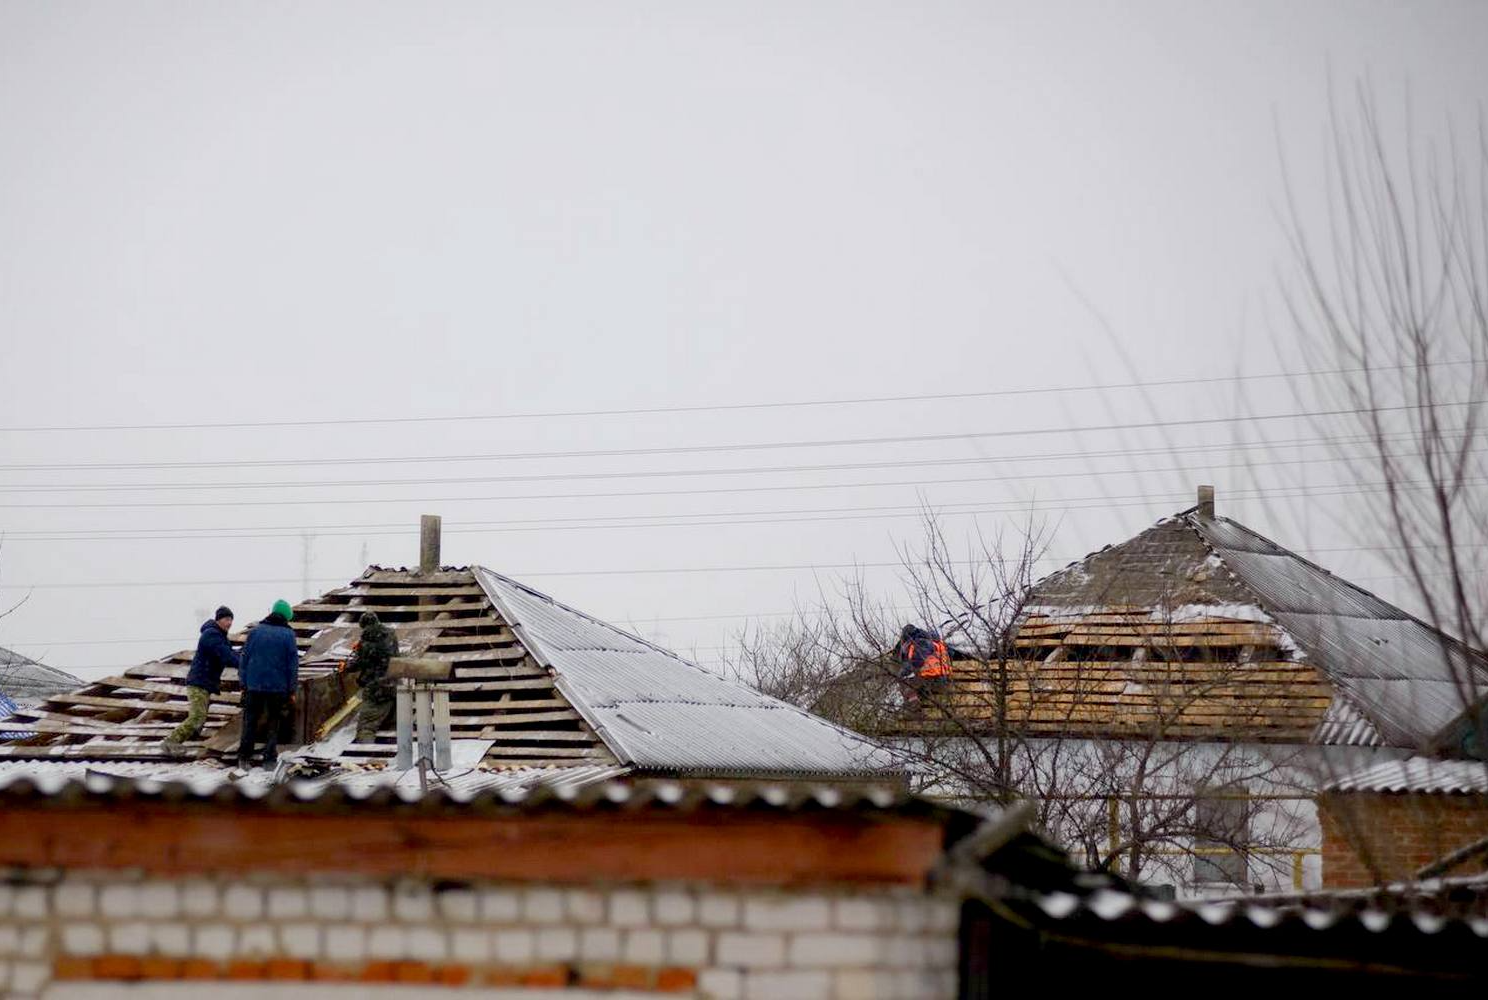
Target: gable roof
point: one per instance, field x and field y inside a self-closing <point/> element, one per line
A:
<point x="535" y="684"/>
<point x="1392" y="679"/>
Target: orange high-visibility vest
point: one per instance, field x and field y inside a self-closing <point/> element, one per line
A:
<point x="938" y="663"/>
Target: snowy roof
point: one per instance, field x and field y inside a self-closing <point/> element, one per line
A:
<point x="1390" y="679"/>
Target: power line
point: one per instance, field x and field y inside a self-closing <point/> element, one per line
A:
<point x="719" y="407"/>
<point x="722" y="448"/>
<point x="734" y="471"/>
<point x="591" y="495"/>
<point x="1129" y="500"/>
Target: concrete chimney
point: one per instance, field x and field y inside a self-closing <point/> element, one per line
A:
<point x="429" y="543"/>
<point x="1206" y="501"/>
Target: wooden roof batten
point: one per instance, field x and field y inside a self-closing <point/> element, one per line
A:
<point x="498" y="692"/>
<point x="1187" y="632"/>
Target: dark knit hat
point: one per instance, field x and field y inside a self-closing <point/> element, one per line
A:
<point x="223" y="612"/>
<point x="370" y="618"/>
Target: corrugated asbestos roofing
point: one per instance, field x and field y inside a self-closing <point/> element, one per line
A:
<point x="1420" y="775"/>
<point x="576" y="787"/>
<point x="23" y="679"/>
<point x="657" y="711"/>
<point x="1396" y="670"/>
<point x="1397" y="679"/>
<point x="1418" y="910"/>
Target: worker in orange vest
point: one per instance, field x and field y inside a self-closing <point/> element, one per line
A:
<point x="924" y="662"/>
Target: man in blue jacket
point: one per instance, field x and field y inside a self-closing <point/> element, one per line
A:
<point x="213" y="653"/>
<point x="270" y="672"/>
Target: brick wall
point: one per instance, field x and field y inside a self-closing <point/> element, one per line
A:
<point x="69" y="933"/>
<point x="1382" y="838"/>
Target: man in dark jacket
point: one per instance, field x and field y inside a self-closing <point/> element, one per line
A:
<point x="213" y="653"/>
<point x="270" y="673"/>
<point x="374" y="649"/>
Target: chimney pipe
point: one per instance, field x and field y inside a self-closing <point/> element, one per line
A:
<point x="429" y="543"/>
<point x="1206" y="501"/>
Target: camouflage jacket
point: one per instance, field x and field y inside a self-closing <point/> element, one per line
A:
<point x="376" y="647"/>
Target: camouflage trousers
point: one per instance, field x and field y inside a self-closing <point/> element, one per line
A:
<point x="373" y="714"/>
<point x="196" y="716"/>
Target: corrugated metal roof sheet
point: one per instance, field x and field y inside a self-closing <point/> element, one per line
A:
<point x="1418" y="774"/>
<point x="1401" y="674"/>
<point x="657" y="711"/>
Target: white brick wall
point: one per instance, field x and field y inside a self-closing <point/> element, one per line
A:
<point x="843" y="945"/>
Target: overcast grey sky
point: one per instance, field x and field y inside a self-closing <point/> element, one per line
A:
<point x="219" y="213"/>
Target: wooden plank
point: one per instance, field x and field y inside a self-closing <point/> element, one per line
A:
<point x="391" y="608"/>
<point x="515" y="704"/>
<point x="100" y="727"/>
<point x="394" y="591"/>
<point x="155" y="729"/>
<point x="161" y="668"/>
<point x="537" y="736"/>
<point x="91" y="751"/>
<point x="482" y="621"/>
<point x="476" y="656"/>
<point x="525" y="718"/>
<point x="138" y="704"/>
<point x="517" y="676"/>
<point x="229" y="697"/>
<point x="413" y="578"/>
<point x="481" y="683"/>
<point x="500" y="637"/>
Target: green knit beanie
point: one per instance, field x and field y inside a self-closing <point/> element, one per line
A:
<point x="283" y="610"/>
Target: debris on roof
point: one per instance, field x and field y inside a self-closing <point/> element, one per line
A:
<point x="1200" y="628"/>
<point x="535" y="684"/>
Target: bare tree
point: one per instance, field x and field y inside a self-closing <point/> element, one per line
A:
<point x="1390" y="288"/>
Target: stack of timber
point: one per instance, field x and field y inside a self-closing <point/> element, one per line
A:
<point x="1121" y="672"/>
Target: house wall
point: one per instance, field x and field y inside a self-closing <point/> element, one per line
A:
<point x="85" y="933"/>
<point x="1281" y="778"/>
<point x="1372" y="838"/>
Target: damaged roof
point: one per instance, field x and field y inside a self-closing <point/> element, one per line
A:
<point x="536" y="686"/>
<point x="1381" y="676"/>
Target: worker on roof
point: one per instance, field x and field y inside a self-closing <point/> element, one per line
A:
<point x="213" y="653"/>
<point x="376" y="647"/>
<point x="270" y="672"/>
<point x="925" y="665"/>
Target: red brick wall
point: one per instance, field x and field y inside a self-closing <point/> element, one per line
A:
<point x="1382" y="838"/>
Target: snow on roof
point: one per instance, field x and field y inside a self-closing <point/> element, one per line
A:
<point x="1396" y="680"/>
